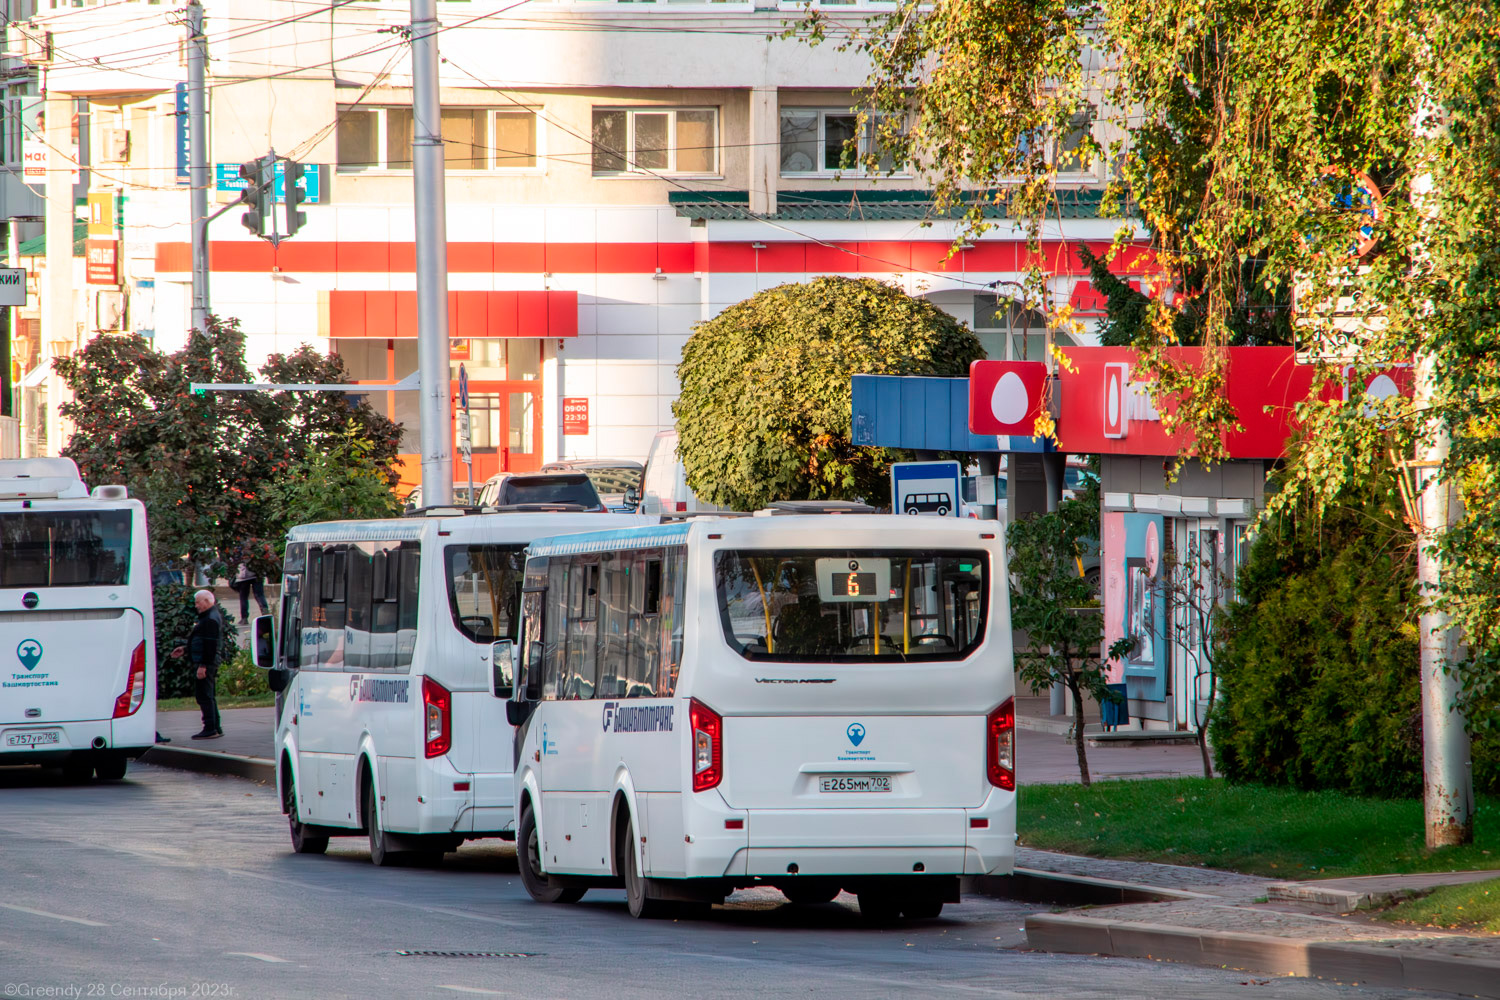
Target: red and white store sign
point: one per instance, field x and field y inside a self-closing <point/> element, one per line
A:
<point x="1107" y="406"/>
<point x="575" y="414"/>
<point x="1005" y="397"/>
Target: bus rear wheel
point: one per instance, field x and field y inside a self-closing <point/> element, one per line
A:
<point x="640" y="904"/>
<point x="809" y="893"/>
<point x="303" y="842"/>
<point x="529" y="861"/>
<point x="110" y="766"/>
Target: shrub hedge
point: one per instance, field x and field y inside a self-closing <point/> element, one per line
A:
<point x="1319" y="675"/>
<point x="175" y="615"/>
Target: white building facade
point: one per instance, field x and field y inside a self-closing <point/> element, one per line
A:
<point x="616" y="173"/>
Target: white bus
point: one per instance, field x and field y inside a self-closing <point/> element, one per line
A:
<point x="812" y="702"/>
<point x="78" y="685"/>
<point x="387" y="720"/>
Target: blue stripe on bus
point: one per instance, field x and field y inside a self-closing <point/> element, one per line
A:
<point x="605" y="541"/>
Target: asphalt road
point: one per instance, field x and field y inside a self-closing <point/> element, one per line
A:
<point x="172" y="884"/>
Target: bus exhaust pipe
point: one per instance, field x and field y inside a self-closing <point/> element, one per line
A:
<point x="99" y="743"/>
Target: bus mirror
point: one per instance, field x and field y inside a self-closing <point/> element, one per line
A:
<point x="632" y="498"/>
<point x="502" y="667"/>
<point x="516" y="712"/>
<point x="263" y="645"/>
<point x="278" y="678"/>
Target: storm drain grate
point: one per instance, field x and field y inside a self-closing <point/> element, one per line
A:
<point x="404" y="953"/>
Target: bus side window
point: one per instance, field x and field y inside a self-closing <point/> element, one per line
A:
<point x="555" y="625"/>
<point x="532" y="659"/>
<point x="582" y="661"/>
<point x="358" y="648"/>
<point x="614" y="625"/>
<point x="311" y="615"/>
<point x="674" y="591"/>
<point x="406" y="603"/>
<point x="332" y="606"/>
<point x="645" y="611"/>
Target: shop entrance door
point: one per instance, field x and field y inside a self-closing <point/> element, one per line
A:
<point x="505" y="420"/>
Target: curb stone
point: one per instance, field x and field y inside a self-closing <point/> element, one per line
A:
<point x="1366" y="965"/>
<point x="211" y="762"/>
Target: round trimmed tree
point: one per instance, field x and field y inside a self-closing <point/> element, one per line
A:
<point x="764" y="412"/>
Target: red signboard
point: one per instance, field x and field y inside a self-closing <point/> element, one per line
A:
<point x="102" y="265"/>
<point x="575" y="415"/>
<point x="1107" y="406"/>
<point x="1005" y="397"/>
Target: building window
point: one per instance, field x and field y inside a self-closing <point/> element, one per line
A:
<point x="473" y="139"/>
<point x="656" y="140"/>
<point x="1011" y="332"/>
<point x="815" y="141"/>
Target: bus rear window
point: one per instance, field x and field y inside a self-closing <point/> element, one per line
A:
<point x="74" y="548"/>
<point x="852" y="605"/>
<point x="484" y="589"/>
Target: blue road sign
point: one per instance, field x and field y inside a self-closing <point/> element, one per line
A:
<point x="931" y="488"/>
<point x="184" y="144"/>
<point x="463" y="387"/>
<point x="227" y="178"/>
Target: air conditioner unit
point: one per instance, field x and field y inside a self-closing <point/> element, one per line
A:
<point x="114" y="145"/>
<point x="28" y="43"/>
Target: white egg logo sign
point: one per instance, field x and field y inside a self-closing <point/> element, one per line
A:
<point x="1010" y="402"/>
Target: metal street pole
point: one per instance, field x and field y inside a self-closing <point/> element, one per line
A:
<point x="198" y="160"/>
<point x="432" y="258"/>
<point x="1447" y="778"/>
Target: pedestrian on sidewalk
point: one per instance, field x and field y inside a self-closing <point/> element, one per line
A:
<point x="246" y="580"/>
<point x="202" y="650"/>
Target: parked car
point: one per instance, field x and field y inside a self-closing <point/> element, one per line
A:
<point x="461" y="496"/>
<point x="664" y="488"/>
<point x="612" y="478"/>
<point x="508" y="489"/>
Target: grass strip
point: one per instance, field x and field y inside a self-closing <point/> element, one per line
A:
<point x="223" y="701"/>
<point x="1275" y="832"/>
<point x="1473" y="907"/>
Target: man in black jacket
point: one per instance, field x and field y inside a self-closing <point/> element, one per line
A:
<point x="202" y="650"/>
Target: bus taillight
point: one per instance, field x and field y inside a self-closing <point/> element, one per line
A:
<point x="135" y="688"/>
<point x="437" y="706"/>
<point x="1000" y="733"/>
<point x="708" y="745"/>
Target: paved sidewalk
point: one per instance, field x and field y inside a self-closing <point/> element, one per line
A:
<point x="1230" y="922"/>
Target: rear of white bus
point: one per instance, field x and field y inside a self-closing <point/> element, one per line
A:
<point x="852" y="711"/>
<point x="77" y="650"/>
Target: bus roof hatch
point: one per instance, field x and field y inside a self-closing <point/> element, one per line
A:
<point x="40" y="477"/>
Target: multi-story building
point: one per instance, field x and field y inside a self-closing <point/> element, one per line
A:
<point x="616" y="173"/>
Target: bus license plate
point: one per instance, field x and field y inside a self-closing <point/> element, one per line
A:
<point x="32" y="739"/>
<point x="855" y="783"/>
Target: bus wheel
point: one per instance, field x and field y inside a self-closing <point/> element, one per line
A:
<point x="809" y="893"/>
<point x="879" y="908"/>
<point x="110" y="767"/>
<point x="302" y="841"/>
<point x="529" y="860"/>
<point x="380" y="855"/>
<point x="641" y="905"/>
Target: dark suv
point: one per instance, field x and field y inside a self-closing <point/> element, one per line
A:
<point x="571" y="488"/>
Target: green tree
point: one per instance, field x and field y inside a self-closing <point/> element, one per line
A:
<point x="200" y="462"/>
<point x="764" y="410"/>
<point x="1055" y="606"/>
<point x="338" y="478"/>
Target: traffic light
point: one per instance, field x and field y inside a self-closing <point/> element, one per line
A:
<point x="294" y="196"/>
<point x="259" y="177"/>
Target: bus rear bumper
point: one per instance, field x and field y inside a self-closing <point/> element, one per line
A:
<point x="40" y="743"/>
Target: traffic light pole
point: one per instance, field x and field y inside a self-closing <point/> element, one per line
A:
<point x="198" y="161"/>
<point x="432" y="259"/>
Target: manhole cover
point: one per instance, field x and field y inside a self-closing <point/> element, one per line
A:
<point x="405" y="953"/>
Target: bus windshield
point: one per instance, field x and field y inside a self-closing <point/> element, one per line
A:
<point x="484" y="589"/>
<point x="852" y="605"/>
<point x="74" y="548"/>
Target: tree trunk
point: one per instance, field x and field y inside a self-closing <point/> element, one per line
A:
<point x="1078" y="723"/>
<point x="1208" y="711"/>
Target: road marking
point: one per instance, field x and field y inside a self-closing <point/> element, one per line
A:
<point x="54" y="916"/>
<point x="472" y="989"/>
<point x="259" y="957"/>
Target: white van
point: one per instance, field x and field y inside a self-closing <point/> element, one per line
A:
<point x="78" y="685"/>
<point x="811" y="702"/>
<point x="664" y="488"/>
<point x="387" y="719"/>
